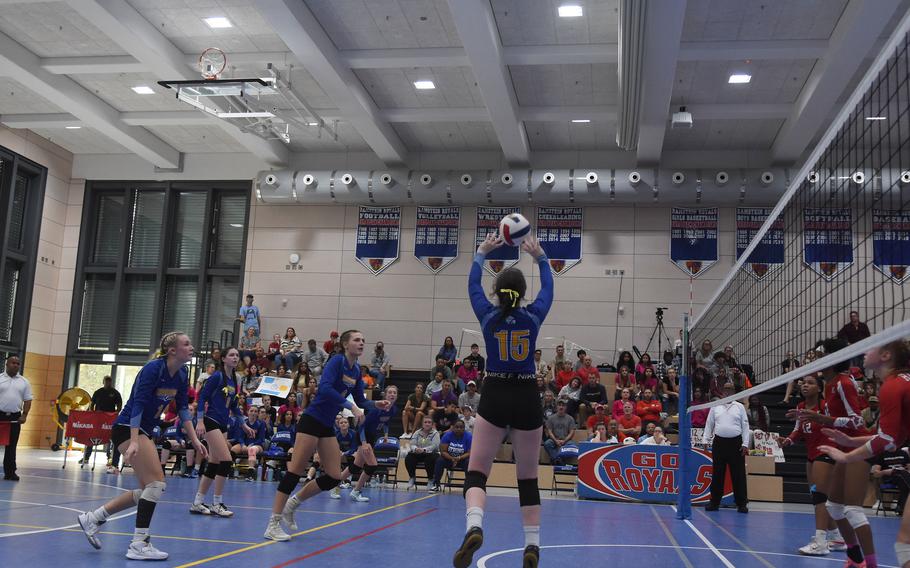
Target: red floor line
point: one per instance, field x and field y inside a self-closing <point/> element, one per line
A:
<point x="353" y="539"/>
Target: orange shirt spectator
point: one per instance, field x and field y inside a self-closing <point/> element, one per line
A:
<point x="629" y="423"/>
<point x="647" y="408"/>
<point x="599" y="417"/>
<point x="564" y="375"/>
<point x="587" y="370"/>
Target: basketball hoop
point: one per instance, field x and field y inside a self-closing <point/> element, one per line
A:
<point x="212" y="62"/>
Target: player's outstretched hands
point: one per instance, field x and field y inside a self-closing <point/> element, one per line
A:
<point x="493" y="241"/>
<point x="532" y="246"/>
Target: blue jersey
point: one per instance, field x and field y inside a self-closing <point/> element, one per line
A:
<point x="173" y="433"/>
<point x="220" y="392"/>
<point x="348" y="443"/>
<point x="152" y="390"/>
<point x="377" y="420"/>
<point x="337" y="381"/>
<point x="457" y="446"/>
<point x="259" y="433"/>
<point x="235" y="428"/>
<point x="510" y="341"/>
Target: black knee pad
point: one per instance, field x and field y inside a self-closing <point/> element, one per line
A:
<point x="225" y="467"/>
<point x="211" y="470"/>
<point x="327" y="482"/>
<point x="288" y="483"/>
<point x="355" y="470"/>
<point x="528" y="493"/>
<point x="474" y="479"/>
<point x="818" y="498"/>
<point x="370" y="469"/>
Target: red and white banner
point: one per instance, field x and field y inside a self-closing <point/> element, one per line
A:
<point x="90" y="426"/>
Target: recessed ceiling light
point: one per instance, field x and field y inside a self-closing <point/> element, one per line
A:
<point x="581" y="120"/>
<point x="72" y="127"/>
<point x="876" y="118"/>
<point x="570" y="11"/>
<point x="424" y="85"/>
<point x="218" y="22"/>
<point x="143" y="90"/>
<point x="739" y="79"/>
<point x="312" y="124"/>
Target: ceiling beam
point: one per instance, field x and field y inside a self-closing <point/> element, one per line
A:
<point x="851" y="43"/>
<point x="663" y="32"/>
<point x="93" y="64"/>
<point x="738" y="50"/>
<point x="138" y="37"/>
<point x="23" y="66"/>
<point x="480" y="36"/>
<point x="300" y="30"/>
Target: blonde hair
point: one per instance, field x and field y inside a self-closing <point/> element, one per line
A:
<point x="168" y="340"/>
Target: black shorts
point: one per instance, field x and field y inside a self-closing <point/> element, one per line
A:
<point x="511" y="402"/>
<point x="121" y="433"/>
<point x="212" y="424"/>
<point x="824" y="458"/>
<point x="309" y="425"/>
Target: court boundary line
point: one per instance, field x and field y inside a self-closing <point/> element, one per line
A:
<point x="733" y="537"/>
<point x="705" y="540"/>
<point x="354" y="538"/>
<point x="303" y="532"/>
<point x="117" y="533"/>
<point x="670" y="537"/>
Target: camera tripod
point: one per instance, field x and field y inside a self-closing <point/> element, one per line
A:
<point x="661" y="332"/>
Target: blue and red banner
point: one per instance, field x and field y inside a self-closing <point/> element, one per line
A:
<point x="828" y="240"/>
<point x="891" y="243"/>
<point x="559" y="232"/>
<point x="378" y="237"/>
<point x="769" y="253"/>
<point x="693" y="239"/>
<point x="436" y="238"/>
<point x="488" y="219"/>
<point x="643" y="473"/>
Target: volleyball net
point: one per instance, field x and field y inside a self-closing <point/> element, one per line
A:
<point x="838" y="241"/>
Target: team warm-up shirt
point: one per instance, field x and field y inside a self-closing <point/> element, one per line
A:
<point x="153" y="389"/>
<point x="347" y="443"/>
<point x="893" y="427"/>
<point x="842" y="403"/>
<point x="457" y="446"/>
<point x="220" y="392"/>
<point x="511" y="341"/>
<point x="378" y="420"/>
<point x="338" y="380"/>
<point x="810" y="432"/>
<point x="235" y="428"/>
<point x="259" y="433"/>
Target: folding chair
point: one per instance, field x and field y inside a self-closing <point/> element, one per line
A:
<point x="564" y="476"/>
<point x="386" y="451"/>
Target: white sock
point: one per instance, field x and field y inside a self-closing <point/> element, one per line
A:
<point x="199" y="499"/>
<point x="100" y="514"/>
<point x="532" y="535"/>
<point x="475" y="518"/>
<point x="833" y="534"/>
<point x="218" y="499"/>
<point x="275" y="518"/>
<point x="821" y="537"/>
<point x="140" y="535"/>
<point x="293" y="502"/>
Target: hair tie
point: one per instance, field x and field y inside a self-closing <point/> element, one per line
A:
<point x="515" y="296"/>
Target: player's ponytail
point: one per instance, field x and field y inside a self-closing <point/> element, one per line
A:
<point x="509" y="289"/>
<point x="168" y="340"/>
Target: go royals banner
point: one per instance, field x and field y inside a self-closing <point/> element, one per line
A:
<point x="693" y="239"/>
<point x="559" y="232"/>
<point x="643" y="473"/>
<point x="891" y="243"/>
<point x="378" y="236"/>
<point x="769" y="253"/>
<point x="436" y="238"/>
<point x="828" y="240"/>
<point x="488" y="219"/>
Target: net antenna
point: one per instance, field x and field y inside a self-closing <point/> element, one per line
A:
<point x="264" y="105"/>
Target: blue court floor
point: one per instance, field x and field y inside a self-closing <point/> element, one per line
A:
<point x="396" y="528"/>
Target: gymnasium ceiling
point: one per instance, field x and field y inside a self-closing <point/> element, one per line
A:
<point x="510" y="76"/>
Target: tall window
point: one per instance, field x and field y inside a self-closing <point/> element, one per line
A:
<point x="21" y="202"/>
<point x="156" y="257"/>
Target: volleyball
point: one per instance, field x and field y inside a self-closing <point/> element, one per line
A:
<point x="514" y="229"/>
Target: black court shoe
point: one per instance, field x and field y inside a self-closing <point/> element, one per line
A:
<point x="472" y="542"/>
<point x="531" y="556"/>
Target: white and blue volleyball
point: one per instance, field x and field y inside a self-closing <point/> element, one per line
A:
<point x="514" y="228"/>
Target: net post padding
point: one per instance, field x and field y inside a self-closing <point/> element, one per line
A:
<point x="683" y="475"/>
<point x="893" y="333"/>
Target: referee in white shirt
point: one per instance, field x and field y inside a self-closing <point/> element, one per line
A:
<point x="15" y="402"/>
<point x="729" y="425"/>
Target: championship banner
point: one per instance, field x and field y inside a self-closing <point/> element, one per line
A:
<point x="643" y="473"/>
<point x="436" y="239"/>
<point x="828" y="236"/>
<point x="89" y="426"/>
<point x="378" y="234"/>
<point x="693" y="239"/>
<point x="891" y="243"/>
<point x="769" y="253"/>
<point x="488" y="219"/>
<point x="559" y="232"/>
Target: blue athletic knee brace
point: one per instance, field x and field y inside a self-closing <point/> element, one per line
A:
<point x="474" y="479"/>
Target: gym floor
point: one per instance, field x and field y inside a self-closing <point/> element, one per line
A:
<point x="396" y="528"/>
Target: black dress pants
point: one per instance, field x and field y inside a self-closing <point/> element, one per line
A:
<point x="727" y="452"/>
